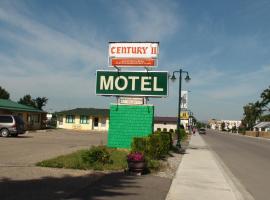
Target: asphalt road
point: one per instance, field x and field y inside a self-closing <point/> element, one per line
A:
<point x="247" y="158"/>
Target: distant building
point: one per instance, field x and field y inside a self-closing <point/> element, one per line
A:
<point x="32" y="117"/>
<point x="262" y="126"/>
<point x="168" y="123"/>
<point x="229" y="124"/>
<point x="84" y="119"/>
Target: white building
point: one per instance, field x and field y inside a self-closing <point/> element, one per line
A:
<point x="262" y="126"/>
<point x="229" y="124"/>
<point x="84" y="119"/>
<point x="168" y="123"/>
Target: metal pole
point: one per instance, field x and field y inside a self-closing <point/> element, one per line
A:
<point x="178" y="144"/>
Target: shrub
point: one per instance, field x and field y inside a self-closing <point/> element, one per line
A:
<point x="153" y="164"/>
<point x="171" y="130"/>
<point x="183" y="134"/>
<point x="140" y="144"/>
<point x="154" y="146"/>
<point x="98" y="154"/>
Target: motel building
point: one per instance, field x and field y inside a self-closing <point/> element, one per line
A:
<point x="168" y="123"/>
<point x="33" y="118"/>
<point x="84" y="119"/>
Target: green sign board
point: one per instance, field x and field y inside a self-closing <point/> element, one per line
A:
<point x="131" y="83"/>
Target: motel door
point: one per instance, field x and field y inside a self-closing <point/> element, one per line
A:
<point x="95" y="123"/>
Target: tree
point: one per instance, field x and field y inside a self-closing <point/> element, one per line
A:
<point x="252" y="112"/>
<point x="27" y="100"/>
<point x="266" y="98"/>
<point x="40" y="102"/>
<point x="3" y="93"/>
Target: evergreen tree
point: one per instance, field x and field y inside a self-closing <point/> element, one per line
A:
<point x="3" y="93"/>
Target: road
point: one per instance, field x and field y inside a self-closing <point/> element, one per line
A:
<point x="247" y="158"/>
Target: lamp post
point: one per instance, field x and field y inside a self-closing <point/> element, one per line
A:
<point x="173" y="78"/>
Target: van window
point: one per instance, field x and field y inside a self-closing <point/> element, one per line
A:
<point x="6" y="119"/>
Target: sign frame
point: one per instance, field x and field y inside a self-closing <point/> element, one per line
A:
<point x="133" y="95"/>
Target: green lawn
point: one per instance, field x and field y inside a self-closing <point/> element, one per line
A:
<point x="75" y="161"/>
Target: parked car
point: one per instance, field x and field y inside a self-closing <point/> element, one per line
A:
<point x="202" y="131"/>
<point x="11" y="125"/>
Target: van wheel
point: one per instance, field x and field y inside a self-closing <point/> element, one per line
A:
<point x="4" y="132"/>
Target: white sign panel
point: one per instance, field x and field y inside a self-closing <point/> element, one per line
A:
<point x="133" y="54"/>
<point x="131" y="100"/>
<point x="184" y="99"/>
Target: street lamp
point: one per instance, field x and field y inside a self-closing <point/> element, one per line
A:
<point x="173" y="78"/>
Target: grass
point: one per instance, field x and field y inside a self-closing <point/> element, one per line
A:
<point x="75" y="161"/>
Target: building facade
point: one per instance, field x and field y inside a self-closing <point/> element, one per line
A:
<point x="228" y="124"/>
<point x="262" y="126"/>
<point x="168" y="123"/>
<point x="84" y="119"/>
<point x="33" y="118"/>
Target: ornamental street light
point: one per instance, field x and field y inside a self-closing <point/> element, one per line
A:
<point x="173" y="78"/>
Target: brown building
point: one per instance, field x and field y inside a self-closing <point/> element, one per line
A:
<point x="32" y="117"/>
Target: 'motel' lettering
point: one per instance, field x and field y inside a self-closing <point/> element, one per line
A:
<point x="121" y="83"/>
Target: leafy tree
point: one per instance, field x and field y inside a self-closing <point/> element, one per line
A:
<point x="252" y="112"/>
<point x="265" y="118"/>
<point x="40" y="102"/>
<point x="266" y="98"/>
<point x="3" y="93"/>
<point x="27" y="100"/>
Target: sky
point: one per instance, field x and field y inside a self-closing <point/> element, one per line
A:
<point x="53" y="49"/>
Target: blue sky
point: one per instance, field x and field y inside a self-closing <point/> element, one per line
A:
<point x="53" y="48"/>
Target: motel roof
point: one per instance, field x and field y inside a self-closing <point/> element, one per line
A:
<point x="262" y="125"/>
<point x="13" y="106"/>
<point x="170" y="120"/>
<point x="86" y="111"/>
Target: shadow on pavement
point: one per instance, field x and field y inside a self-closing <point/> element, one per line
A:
<point x="95" y="186"/>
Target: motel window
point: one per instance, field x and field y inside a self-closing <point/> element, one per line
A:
<point x="60" y="119"/>
<point x="36" y="118"/>
<point x="70" y="119"/>
<point x="84" y="119"/>
<point x="103" y="122"/>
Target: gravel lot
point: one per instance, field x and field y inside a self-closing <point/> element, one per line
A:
<point x="18" y="155"/>
<point x="20" y="179"/>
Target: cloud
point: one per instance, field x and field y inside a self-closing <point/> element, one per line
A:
<point x="148" y="21"/>
<point x="246" y="84"/>
<point x="45" y="46"/>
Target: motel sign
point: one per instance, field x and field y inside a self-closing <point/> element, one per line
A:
<point x="139" y="83"/>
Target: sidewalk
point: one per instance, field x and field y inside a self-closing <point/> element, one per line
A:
<point x="199" y="176"/>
